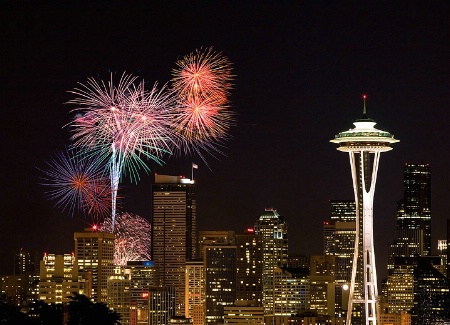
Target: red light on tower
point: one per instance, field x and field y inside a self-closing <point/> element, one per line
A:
<point x="364" y="96"/>
<point x="94" y="227"/>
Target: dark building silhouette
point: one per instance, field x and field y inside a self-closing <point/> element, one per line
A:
<point x="431" y="295"/>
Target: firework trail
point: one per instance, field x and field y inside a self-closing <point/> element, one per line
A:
<point x="123" y="125"/>
<point x="202" y="82"/>
<point x="77" y="183"/>
<point x="132" y="237"/>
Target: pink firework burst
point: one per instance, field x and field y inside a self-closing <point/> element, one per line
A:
<point x="125" y="125"/>
<point x="202" y="81"/>
<point x="132" y="238"/>
<point x="203" y="73"/>
<point x="77" y="183"/>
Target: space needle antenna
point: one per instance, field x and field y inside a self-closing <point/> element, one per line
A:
<point x="364" y="96"/>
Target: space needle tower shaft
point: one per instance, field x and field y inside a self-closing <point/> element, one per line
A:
<point x="364" y="143"/>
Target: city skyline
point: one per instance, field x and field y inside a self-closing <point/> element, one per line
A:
<point x="301" y="69"/>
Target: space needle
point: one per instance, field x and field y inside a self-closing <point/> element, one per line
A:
<point x="364" y="143"/>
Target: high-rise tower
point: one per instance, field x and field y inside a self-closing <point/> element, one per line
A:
<point x="339" y="237"/>
<point x="94" y="251"/>
<point x="273" y="230"/>
<point x="417" y="202"/>
<point x="364" y="143"/>
<point x="174" y="231"/>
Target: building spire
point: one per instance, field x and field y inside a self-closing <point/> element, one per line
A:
<point x="364" y="96"/>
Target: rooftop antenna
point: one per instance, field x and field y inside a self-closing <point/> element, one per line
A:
<point x="364" y="96"/>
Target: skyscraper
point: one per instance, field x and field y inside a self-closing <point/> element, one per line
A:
<point x="249" y="265"/>
<point x="161" y="304"/>
<point x="417" y="203"/>
<point x="174" y="231"/>
<point x="195" y="291"/>
<point x="94" y="251"/>
<point x="58" y="278"/>
<point x="364" y="143"/>
<point x="339" y="237"/>
<point x="220" y="280"/>
<point x="142" y="276"/>
<point x="273" y="230"/>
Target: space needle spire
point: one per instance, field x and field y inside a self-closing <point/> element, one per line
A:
<point x="364" y="143"/>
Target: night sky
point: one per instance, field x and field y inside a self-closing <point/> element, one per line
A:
<point x="301" y="68"/>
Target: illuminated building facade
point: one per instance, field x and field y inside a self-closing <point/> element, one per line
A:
<point x="174" y="222"/>
<point x="215" y="237"/>
<point x="442" y="253"/>
<point x="417" y="203"/>
<point x="244" y="312"/>
<point x="94" y="252"/>
<point x="58" y="278"/>
<point x="195" y="291"/>
<point x="431" y="295"/>
<point x="291" y="293"/>
<point x="399" y="288"/>
<point x="364" y="143"/>
<point x="142" y="275"/>
<point x="249" y="264"/>
<point x="339" y="237"/>
<point x="395" y="319"/>
<point x="119" y="297"/>
<point x="161" y="304"/>
<point x="220" y="280"/>
<point x="273" y="230"/>
<point x="15" y="288"/>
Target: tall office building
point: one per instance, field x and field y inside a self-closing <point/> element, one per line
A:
<point x="27" y="262"/>
<point x="58" y="278"/>
<point x="174" y="231"/>
<point x="119" y="297"/>
<point x="142" y="275"/>
<point x="161" y="305"/>
<point x="417" y="202"/>
<point x="273" y="230"/>
<point x="220" y="280"/>
<point x="94" y="252"/>
<point x="249" y="264"/>
<point x="195" y="291"/>
<point x="413" y="215"/>
<point x="291" y="291"/>
<point x="364" y="143"/>
<point x="339" y="237"/>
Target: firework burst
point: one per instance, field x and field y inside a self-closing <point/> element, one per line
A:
<point x="77" y="183"/>
<point x="132" y="237"/>
<point x="203" y="73"/>
<point x="123" y="125"/>
<point x="202" y="81"/>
